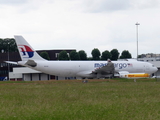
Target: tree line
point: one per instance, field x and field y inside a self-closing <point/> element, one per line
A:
<point x="9" y="44"/>
<point x="96" y="55"/>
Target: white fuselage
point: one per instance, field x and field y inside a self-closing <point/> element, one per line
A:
<point x="85" y="68"/>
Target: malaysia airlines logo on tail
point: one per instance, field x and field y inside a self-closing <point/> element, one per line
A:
<point x="27" y="52"/>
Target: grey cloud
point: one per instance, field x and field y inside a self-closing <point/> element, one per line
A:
<point x="13" y="1"/>
<point x="107" y="5"/>
<point x="143" y="4"/>
<point x="116" y="5"/>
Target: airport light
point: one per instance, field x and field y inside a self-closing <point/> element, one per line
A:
<point x="137" y="37"/>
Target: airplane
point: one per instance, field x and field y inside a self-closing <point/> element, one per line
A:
<point x="83" y="69"/>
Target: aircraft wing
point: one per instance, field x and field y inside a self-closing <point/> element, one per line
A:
<point x="105" y="70"/>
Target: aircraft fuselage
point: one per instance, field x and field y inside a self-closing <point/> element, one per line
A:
<point x="84" y="68"/>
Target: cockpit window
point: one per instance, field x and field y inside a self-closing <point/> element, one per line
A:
<point x="153" y="66"/>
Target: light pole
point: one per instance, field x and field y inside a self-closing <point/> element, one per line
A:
<point x="137" y="38"/>
<point x="8" y="60"/>
<point x="2" y="51"/>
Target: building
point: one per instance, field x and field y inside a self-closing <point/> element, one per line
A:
<point x="149" y="55"/>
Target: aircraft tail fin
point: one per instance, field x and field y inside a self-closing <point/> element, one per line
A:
<point x="25" y="50"/>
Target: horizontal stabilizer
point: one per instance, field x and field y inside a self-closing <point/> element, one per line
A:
<point x="11" y="62"/>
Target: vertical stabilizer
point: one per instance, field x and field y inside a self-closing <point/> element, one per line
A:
<point x="25" y="50"/>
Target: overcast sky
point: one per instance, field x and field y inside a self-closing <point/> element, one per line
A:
<point x="83" y="24"/>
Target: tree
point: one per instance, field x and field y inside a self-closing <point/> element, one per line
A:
<point x="114" y="54"/>
<point x="45" y="55"/>
<point x="96" y="54"/>
<point x="82" y="55"/>
<point x="63" y="55"/>
<point x="140" y="56"/>
<point x="1" y="45"/>
<point x="106" y="55"/>
<point x="125" y="54"/>
<point x="8" y="44"/>
<point x="74" y="55"/>
<point x="89" y="58"/>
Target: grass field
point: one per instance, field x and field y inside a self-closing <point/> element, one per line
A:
<point x="117" y="99"/>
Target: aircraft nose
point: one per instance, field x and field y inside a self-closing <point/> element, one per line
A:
<point x="155" y="69"/>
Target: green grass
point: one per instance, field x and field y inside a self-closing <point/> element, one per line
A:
<point x="119" y="99"/>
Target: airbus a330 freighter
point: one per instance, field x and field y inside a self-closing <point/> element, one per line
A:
<point x="83" y="69"/>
